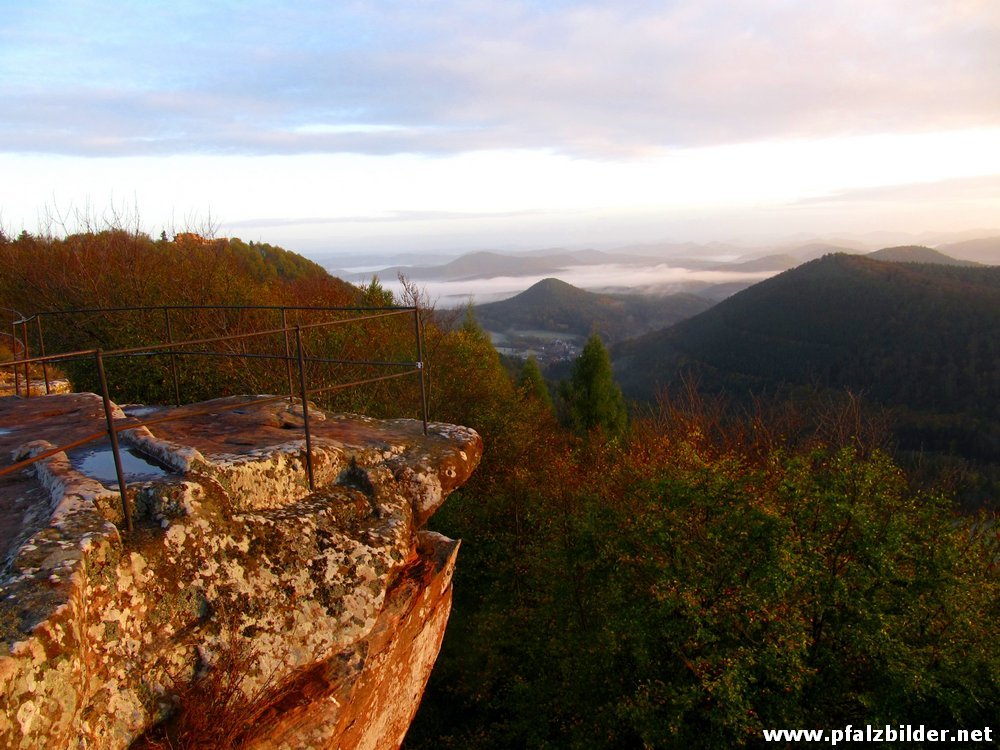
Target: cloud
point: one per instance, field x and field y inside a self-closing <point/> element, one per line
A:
<point x="595" y="79"/>
<point x="656" y="278"/>
<point x="971" y="190"/>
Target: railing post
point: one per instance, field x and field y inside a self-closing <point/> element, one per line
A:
<point x="288" y="357"/>
<point x="41" y="351"/>
<point x="27" y="356"/>
<point x="305" y="407"/>
<point x="420" y="366"/>
<point x="17" y="372"/>
<point x="113" y="436"/>
<point x="173" y="357"/>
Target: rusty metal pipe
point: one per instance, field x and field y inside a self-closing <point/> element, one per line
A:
<point x="41" y="350"/>
<point x="113" y="436"/>
<point x="17" y="374"/>
<point x="173" y="356"/>
<point x="420" y="366"/>
<point x="305" y="407"/>
<point x="288" y="356"/>
<point x="24" y="345"/>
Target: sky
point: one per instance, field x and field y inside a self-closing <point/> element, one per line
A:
<point x="344" y="127"/>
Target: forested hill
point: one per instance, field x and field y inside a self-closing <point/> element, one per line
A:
<point x="918" y="254"/>
<point x="905" y="332"/>
<point x="917" y="336"/>
<point x="117" y="268"/>
<point x="276" y="261"/>
<point x="553" y="305"/>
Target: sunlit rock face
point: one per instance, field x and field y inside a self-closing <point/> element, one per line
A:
<point x="330" y="605"/>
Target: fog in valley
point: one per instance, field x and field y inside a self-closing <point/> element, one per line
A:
<point x="661" y="278"/>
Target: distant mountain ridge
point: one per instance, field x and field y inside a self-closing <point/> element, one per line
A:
<point x="985" y="250"/>
<point x="807" y="321"/>
<point x="555" y="306"/>
<point x="776" y="262"/>
<point x="920" y="338"/>
<point x="711" y="270"/>
<point x="486" y="264"/>
<point x="917" y="254"/>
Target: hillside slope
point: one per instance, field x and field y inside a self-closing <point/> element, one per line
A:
<point x="922" y="338"/>
<point x="116" y="268"/>
<point x="917" y="254"/>
<point x="555" y="306"/>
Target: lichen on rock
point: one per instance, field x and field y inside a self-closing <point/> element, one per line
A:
<point x="335" y="598"/>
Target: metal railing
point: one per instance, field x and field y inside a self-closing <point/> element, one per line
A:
<point x="13" y="317"/>
<point x="298" y="388"/>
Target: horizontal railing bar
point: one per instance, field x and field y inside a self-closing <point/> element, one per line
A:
<point x="172" y="348"/>
<point x="239" y="336"/>
<point x="53" y="451"/>
<point x="231" y="337"/>
<point x="392" y="313"/>
<point x="67" y="356"/>
<point x="341" y="386"/>
<point x="147" y="308"/>
<point x="254" y="355"/>
<point x="231" y="355"/>
<point x="200" y="412"/>
<point x="132" y="425"/>
<point x="369" y="362"/>
<point x="81" y="356"/>
<point x="192" y="342"/>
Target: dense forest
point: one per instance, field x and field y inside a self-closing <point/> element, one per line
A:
<point x="682" y="576"/>
<point x="917" y="334"/>
<point x="208" y="280"/>
<point x="919" y="340"/>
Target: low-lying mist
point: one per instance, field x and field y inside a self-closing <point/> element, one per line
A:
<point x="660" y="278"/>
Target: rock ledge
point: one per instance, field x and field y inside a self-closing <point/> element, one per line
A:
<point x="331" y="603"/>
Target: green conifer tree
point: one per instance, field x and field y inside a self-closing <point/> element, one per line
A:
<point x="594" y="399"/>
<point x="532" y="383"/>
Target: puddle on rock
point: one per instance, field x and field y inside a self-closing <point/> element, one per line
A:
<point x="98" y="462"/>
<point x="141" y="411"/>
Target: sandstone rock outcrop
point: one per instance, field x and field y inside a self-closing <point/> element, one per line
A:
<point x="330" y="605"/>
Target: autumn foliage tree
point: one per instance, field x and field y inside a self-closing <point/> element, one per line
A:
<point x="697" y="582"/>
<point x="532" y="382"/>
<point x="120" y="268"/>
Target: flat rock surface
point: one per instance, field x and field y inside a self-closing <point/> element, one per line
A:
<point x="241" y="425"/>
<point x="59" y="419"/>
<point x="219" y="429"/>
